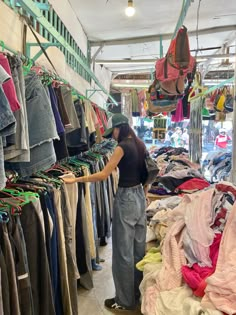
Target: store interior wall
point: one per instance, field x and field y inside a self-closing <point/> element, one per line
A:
<point x="9" y="20"/>
<point x="69" y="18"/>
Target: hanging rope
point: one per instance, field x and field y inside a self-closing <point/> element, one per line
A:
<point x="197" y="27"/>
<point x="185" y="6"/>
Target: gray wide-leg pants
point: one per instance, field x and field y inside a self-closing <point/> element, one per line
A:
<point x="128" y="241"/>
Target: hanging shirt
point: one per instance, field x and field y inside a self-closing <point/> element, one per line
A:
<point x="9" y="87"/>
<point x="7" y="122"/>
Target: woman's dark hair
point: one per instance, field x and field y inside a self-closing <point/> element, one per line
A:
<point x="125" y="132"/>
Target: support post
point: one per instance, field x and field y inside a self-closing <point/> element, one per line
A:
<point x="95" y="56"/>
<point x="233" y="170"/>
<point x="161" y="47"/>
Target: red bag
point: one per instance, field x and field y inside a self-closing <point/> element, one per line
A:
<point x="178" y="54"/>
<point x="165" y="71"/>
<point x="173" y="87"/>
<point x="178" y="62"/>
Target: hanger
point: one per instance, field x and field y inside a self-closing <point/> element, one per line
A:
<point x="46" y="78"/>
<point x="13" y="193"/>
<point x="21" y="197"/>
<point x="28" y="186"/>
<point x="27" y="66"/>
<point x="9" y="206"/>
<point x="50" y="179"/>
<point x="58" y="168"/>
<point x="95" y="155"/>
<point x="38" y="70"/>
<point x="77" y="162"/>
<point x="31" y="185"/>
<point x="198" y="89"/>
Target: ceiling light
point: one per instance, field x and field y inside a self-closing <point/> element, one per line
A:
<point x="130" y="10"/>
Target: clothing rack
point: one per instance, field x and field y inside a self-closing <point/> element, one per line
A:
<point x="56" y="77"/>
<point x="212" y="89"/>
<point x="45" y="194"/>
<point x="5" y="47"/>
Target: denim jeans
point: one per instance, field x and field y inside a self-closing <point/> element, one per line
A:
<point x="39" y="113"/>
<point x="18" y="144"/>
<point x="64" y="280"/>
<point x="7" y="127"/>
<point x="128" y="241"/>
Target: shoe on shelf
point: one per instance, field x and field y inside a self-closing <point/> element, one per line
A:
<point x="111" y="304"/>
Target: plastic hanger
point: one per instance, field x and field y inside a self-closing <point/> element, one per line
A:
<point x="27" y="66"/>
<point x="50" y="179"/>
<point x="79" y="163"/>
<point x="22" y="198"/>
<point x="47" y="79"/>
<point x="198" y="89"/>
<point x="38" y="70"/>
<point x="21" y="195"/>
<point x="32" y="185"/>
<point x="12" y="193"/>
<point x="59" y="168"/>
<point x="10" y="206"/>
<point x="94" y="155"/>
<point x="28" y="186"/>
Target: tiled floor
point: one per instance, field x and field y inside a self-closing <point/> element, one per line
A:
<point x="92" y="302"/>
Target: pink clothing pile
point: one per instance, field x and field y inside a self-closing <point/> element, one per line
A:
<point x="196" y="276"/>
<point x="220" y="292"/>
<point x="198" y="250"/>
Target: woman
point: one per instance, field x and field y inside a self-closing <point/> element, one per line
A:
<point x="129" y="220"/>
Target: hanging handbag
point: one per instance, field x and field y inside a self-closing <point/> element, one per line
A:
<point x="159" y="103"/>
<point x="161" y="106"/>
<point x="229" y="103"/>
<point x="150" y="170"/>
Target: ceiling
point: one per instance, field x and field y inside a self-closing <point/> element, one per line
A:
<point x="118" y="41"/>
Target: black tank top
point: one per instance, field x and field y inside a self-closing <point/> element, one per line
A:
<point x="129" y="165"/>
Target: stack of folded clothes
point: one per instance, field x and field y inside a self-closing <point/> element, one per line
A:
<point x="177" y="174"/>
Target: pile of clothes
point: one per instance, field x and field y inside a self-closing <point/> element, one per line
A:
<point x="177" y="174"/>
<point x="193" y="271"/>
<point x="155" y="213"/>
<point x="217" y="166"/>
